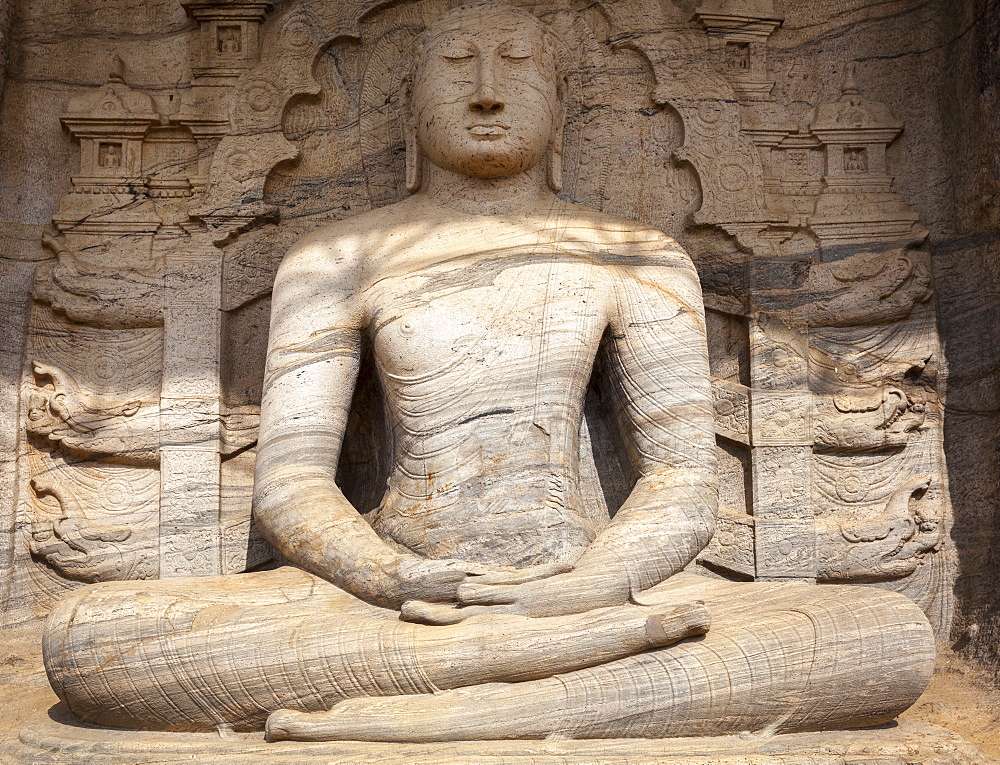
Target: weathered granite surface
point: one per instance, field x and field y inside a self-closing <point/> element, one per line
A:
<point x="804" y="155"/>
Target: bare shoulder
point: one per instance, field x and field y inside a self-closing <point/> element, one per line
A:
<point x="323" y="253"/>
<point x="653" y="276"/>
<point x="337" y="254"/>
<point x="632" y="242"/>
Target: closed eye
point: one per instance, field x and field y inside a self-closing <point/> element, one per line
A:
<point x="458" y="53"/>
<point x="516" y="52"/>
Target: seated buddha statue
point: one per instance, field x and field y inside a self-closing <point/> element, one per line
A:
<point x="484" y="598"/>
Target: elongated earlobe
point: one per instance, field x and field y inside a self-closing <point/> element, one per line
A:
<point x="554" y="164"/>
<point x="553" y="170"/>
<point x="414" y="158"/>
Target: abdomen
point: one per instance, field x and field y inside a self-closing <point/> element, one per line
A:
<point x="523" y="517"/>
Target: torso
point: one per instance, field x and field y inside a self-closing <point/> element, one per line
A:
<point x="484" y="353"/>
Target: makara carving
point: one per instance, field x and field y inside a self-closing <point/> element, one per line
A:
<point x="865" y="289"/>
<point x="103" y="296"/>
<point x="130" y="432"/>
<point x="80" y="548"/>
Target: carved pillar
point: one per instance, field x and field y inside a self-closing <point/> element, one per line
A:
<point x="226" y="47"/>
<point x="189" y="413"/>
<point x="781" y="431"/>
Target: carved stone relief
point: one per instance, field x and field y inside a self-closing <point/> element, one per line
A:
<point x="142" y="389"/>
<point x="177" y="219"/>
<point x="518" y="389"/>
<point x="141" y="420"/>
<point x="753" y="132"/>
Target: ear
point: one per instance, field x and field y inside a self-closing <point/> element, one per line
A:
<point x="414" y="159"/>
<point x="553" y="170"/>
<point x="553" y="174"/>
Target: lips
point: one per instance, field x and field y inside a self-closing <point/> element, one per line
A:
<point x="487" y="130"/>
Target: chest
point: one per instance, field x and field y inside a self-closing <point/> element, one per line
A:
<point x="504" y="312"/>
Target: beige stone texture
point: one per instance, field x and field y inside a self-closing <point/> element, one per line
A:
<point x="625" y="393"/>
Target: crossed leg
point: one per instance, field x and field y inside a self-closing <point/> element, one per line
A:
<point x="152" y="655"/>
<point x="779" y="657"/>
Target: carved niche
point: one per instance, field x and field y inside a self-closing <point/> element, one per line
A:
<point x="150" y="321"/>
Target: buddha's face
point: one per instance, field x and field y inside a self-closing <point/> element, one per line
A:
<point x="485" y="96"/>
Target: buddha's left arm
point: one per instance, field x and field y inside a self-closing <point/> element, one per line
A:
<point x="658" y="383"/>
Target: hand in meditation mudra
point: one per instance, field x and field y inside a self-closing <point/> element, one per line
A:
<point x="483" y="599"/>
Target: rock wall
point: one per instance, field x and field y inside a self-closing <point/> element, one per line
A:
<point x="967" y="277"/>
<point x="830" y="165"/>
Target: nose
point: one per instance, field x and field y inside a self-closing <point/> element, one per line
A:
<point x="486" y="101"/>
<point x="486" y="98"/>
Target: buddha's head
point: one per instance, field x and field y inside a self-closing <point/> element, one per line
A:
<point x="485" y="95"/>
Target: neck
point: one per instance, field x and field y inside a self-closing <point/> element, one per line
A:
<point x="484" y="196"/>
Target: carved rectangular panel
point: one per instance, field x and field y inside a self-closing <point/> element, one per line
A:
<point x="782" y="417"/>
<point x="189" y="512"/>
<point x="782" y="478"/>
<point x="779" y="356"/>
<point x="194" y="279"/>
<point x="191" y="352"/>
<point x="786" y="549"/>
<point x="731" y="405"/>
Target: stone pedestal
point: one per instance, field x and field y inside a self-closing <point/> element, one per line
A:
<point x="56" y="738"/>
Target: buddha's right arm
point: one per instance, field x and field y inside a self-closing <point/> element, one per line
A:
<point x="313" y="357"/>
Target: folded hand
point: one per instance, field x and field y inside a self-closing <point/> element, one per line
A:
<point x="568" y="592"/>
